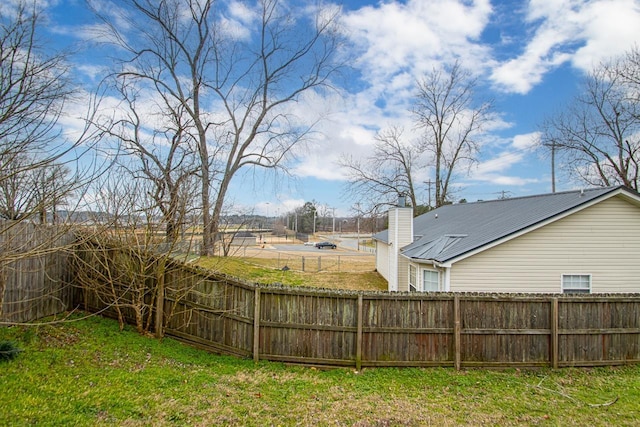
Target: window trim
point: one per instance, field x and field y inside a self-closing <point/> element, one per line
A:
<point x="437" y="280"/>
<point x="576" y="290"/>
<point x="413" y="287"/>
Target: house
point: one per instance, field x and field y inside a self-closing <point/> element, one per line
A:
<point x="574" y="241"/>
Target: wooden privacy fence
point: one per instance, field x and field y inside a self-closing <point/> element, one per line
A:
<point x="34" y="280"/>
<point x="381" y="329"/>
<point x="360" y="329"/>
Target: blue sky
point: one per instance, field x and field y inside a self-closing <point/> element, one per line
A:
<point x="529" y="58"/>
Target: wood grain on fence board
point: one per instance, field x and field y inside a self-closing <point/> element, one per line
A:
<point x="34" y="273"/>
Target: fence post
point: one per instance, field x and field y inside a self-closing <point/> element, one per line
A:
<point x="359" y="335"/>
<point x="256" y="325"/>
<point x="303" y="264"/>
<point x="554" y="333"/>
<point x="159" y="320"/>
<point x="457" y="327"/>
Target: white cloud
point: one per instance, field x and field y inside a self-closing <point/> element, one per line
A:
<point x="580" y="32"/>
<point x="393" y="43"/>
<point x="496" y="170"/>
<point x="505" y="180"/>
<point x="611" y="29"/>
<point x="94" y="72"/>
<point x="10" y="7"/>
<point x="242" y="13"/>
<point x="413" y="37"/>
<point x="498" y="164"/>
<point x="526" y="141"/>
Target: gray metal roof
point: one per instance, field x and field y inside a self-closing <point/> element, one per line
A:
<point x="453" y="230"/>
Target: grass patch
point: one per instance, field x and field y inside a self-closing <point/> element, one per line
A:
<point x="264" y="270"/>
<point x="89" y="373"/>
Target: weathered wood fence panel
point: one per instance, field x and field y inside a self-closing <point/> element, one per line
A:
<point x="34" y="272"/>
<point x="307" y="326"/>
<point x="505" y="330"/>
<point x="380" y="329"/>
<point x="212" y="312"/>
<point x="599" y="331"/>
<point x="358" y="329"/>
<point x="401" y="330"/>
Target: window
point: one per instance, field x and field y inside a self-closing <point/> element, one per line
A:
<point x="430" y="281"/>
<point x="413" y="276"/>
<point x="576" y="283"/>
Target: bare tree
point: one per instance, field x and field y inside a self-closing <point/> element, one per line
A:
<point x="121" y="261"/>
<point x="33" y="90"/>
<point x="153" y="144"/>
<point x="452" y="120"/>
<point x="37" y="165"/>
<point x="234" y="223"/>
<point x="597" y="135"/>
<point x="125" y="268"/>
<point x="628" y="67"/>
<point x="376" y="181"/>
<point x="234" y="83"/>
<point x="33" y="189"/>
<point x="17" y="194"/>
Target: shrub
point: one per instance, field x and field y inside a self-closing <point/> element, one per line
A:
<point x="8" y="351"/>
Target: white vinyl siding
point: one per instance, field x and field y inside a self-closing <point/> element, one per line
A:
<point x="400" y="235"/>
<point x="403" y="274"/>
<point x="382" y="259"/>
<point x="576" y="283"/>
<point x="603" y="240"/>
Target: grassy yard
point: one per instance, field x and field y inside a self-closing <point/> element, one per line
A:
<point x="263" y="270"/>
<point x="89" y="373"/>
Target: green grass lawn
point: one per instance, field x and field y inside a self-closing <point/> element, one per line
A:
<point x="264" y="271"/>
<point x="89" y="373"/>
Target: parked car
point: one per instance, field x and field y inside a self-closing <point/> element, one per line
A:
<point x="322" y="245"/>
<point x="309" y="243"/>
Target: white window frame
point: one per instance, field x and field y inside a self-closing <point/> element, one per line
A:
<point x="413" y="284"/>
<point x="574" y="281"/>
<point x="437" y="273"/>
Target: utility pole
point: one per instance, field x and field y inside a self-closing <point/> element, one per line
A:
<point x="314" y="221"/>
<point x="357" y="206"/>
<point x="333" y="228"/>
<point x="503" y="194"/>
<point x="429" y="184"/>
